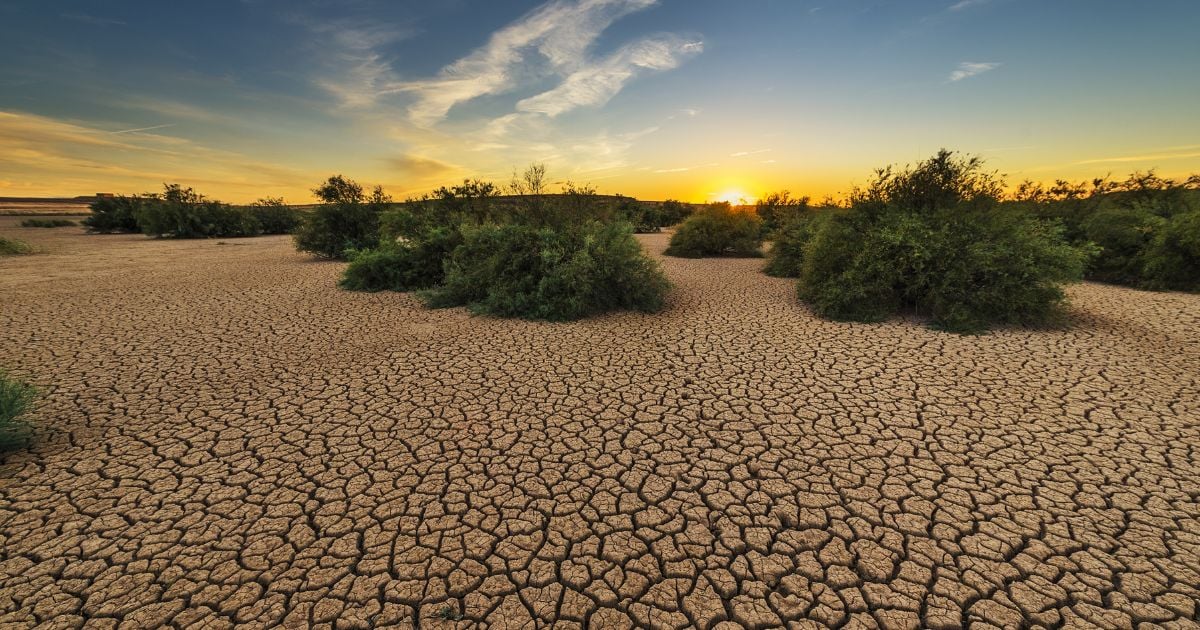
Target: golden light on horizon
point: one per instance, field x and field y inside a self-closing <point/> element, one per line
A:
<point x="734" y="196"/>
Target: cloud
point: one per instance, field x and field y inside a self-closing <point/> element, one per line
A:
<point x="968" y="69"/>
<point x="596" y="83"/>
<point x="420" y="167"/>
<point x="141" y="129"/>
<point x="745" y="153"/>
<point x="357" y="72"/>
<point x="966" y="4"/>
<point x="1181" y="153"/>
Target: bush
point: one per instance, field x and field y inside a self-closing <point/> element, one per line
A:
<point x="564" y="273"/>
<point x="14" y="247"/>
<point x="933" y="240"/>
<point x="402" y="266"/>
<point x="15" y="399"/>
<point x="1122" y="234"/>
<point x="777" y="210"/>
<point x="46" y="223"/>
<point x="114" y="214"/>
<point x="1172" y="259"/>
<point x="786" y="257"/>
<point x="673" y="212"/>
<point x="347" y="222"/>
<point x="717" y="230"/>
<point x="274" y="216"/>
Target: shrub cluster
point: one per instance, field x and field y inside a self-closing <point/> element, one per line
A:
<point x="1143" y="226"/>
<point x="717" y="230"/>
<point x="934" y="240"/>
<point x="554" y="258"/>
<point x="777" y="210"/>
<point x="347" y="221"/>
<point x="46" y="223"/>
<point x="114" y="214"/>
<point x="183" y="213"/>
<point x="180" y="212"/>
<point x="15" y="399"/>
<point x="786" y="256"/>
<point x="14" y="247"/>
<point x="523" y="270"/>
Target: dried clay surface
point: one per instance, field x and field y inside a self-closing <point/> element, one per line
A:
<point x="227" y="439"/>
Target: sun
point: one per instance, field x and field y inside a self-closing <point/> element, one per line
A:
<point x="735" y="196"/>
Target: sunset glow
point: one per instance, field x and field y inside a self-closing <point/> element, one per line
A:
<point x="650" y="98"/>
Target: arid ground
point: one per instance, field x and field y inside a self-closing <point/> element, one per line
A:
<point x="227" y="438"/>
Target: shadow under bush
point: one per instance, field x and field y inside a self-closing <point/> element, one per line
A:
<point x="563" y="273"/>
<point x="717" y="230"/>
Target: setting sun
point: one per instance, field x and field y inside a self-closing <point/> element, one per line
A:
<point x="735" y="197"/>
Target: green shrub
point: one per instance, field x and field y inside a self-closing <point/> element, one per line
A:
<point x="402" y="266"/>
<point x="1172" y="259"/>
<point x="114" y="214"/>
<point x="15" y="399"/>
<point x="777" y="210"/>
<point x="717" y="230"/>
<point x="46" y="223"/>
<point x="274" y="216"/>
<point x="672" y="212"/>
<point x="934" y="241"/>
<point x="786" y="257"/>
<point x="1122" y="234"/>
<point x="347" y="221"/>
<point x="559" y="273"/>
<point x="14" y="247"/>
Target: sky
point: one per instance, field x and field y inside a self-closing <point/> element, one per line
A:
<point x="688" y="99"/>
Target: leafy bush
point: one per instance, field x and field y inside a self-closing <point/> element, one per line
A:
<point x="786" y="257"/>
<point x="1122" y="234"/>
<point x="46" y="223"/>
<point x="274" y="216"/>
<point x="672" y="212"/>
<point x="347" y="221"/>
<point x="717" y="230"/>
<point x="14" y="247"/>
<point x="563" y="273"/>
<point x="114" y="214"/>
<point x="15" y="399"/>
<point x="933" y="240"/>
<point x="402" y="266"/>
<point x="1172" y="259"/>
<point x="778" y="209"/>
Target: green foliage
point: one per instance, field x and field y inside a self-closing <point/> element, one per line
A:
<point x="402" y="266"/>
<point x="933" y="240"/>
<point x="717" y="230"/>
<point x="786" y="258"/>
<point x="15" y="400"/>
<point x="1172" y="259"/>
<point x="274" y="216"/>
<point x="672" y="212"/>
<point x="14" y="247"/>
<point x="778" y="209"/>
<point x="348" y="221"/>
<point x="1128" y="220"/>
<point x="114" y="214"/>
<point x="552" y="273"/>
<point x="46" y="223"/>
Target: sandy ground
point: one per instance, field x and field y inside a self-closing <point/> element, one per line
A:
<point x="227" y="438"/>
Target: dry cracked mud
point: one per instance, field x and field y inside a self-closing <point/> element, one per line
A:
<point x="227" y="439"/>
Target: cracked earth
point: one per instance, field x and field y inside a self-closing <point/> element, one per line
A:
<point x="228" y="439"/>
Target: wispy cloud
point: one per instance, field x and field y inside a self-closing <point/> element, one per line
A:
<point x="968" y="69"/>
<point x="966" y="4"/>
<point x="1181" y="153"/>
<point x="596" y="83"/>
<point x="140" y="129"/>
<point x="745" y="153"/>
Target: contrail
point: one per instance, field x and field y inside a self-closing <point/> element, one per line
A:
<point x="142" y="129"/>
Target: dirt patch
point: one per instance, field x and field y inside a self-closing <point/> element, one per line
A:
<point x="228" y="438"/>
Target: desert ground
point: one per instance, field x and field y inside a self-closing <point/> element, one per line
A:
<point x="226" y="438"/>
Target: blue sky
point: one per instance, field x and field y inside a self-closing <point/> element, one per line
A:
<point x="694" y="99"/>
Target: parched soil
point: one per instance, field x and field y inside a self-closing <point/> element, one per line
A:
<point x="227" y="438"/>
